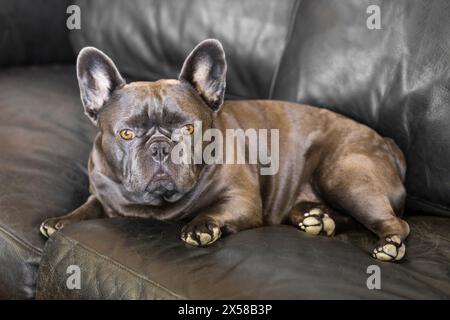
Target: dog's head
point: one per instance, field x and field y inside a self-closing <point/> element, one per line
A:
<point x="137" y="121"/>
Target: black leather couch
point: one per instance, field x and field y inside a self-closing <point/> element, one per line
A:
<point x="320" y="52"/>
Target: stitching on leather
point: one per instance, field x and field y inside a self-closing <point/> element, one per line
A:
<point x="21" y="242"/>
<point x="118" y="264"/>
<point x="290" y="32"/>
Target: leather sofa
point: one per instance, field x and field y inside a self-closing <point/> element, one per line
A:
<point x="395" y="79"/>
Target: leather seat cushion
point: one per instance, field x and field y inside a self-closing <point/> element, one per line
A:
<point x="44" y="145"/>
<point x="145" y="259"/>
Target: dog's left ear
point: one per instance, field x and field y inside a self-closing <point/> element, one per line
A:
<point x="205" y="69"/>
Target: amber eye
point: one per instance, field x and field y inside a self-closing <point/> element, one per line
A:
<point x="188" y="129"/>
<point x="126" y="134"/>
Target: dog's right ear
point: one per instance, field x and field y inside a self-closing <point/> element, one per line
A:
<point x="98" y="77"/>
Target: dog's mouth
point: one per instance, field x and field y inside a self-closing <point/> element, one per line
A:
<point x="160" y="183"/>
<point x="163" y="186"/>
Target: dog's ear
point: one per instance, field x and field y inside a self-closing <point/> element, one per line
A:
<point x="98" y="77"/>
<point x="205" y="69"/>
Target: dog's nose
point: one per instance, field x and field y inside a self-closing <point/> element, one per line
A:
<point x="160" y="151"/>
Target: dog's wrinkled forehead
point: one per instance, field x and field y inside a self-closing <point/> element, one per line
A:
<point x="168" y="104"/>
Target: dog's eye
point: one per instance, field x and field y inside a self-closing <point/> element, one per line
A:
<point x="188" y="129"/>
<point x="126" y="134"/>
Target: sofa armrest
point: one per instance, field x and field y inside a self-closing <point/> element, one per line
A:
<point x="45" y="144"/>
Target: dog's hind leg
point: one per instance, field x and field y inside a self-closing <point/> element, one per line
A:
<point x="373" y="193"/>
<point x="375" y="213"/>
<point x="91" y="209"/>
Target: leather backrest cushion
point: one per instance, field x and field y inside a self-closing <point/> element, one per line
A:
<point x="396" y="79"/>
<point x="34" y="32"/>
<point x="319" y="52"/>
<point x="149" y="39"/>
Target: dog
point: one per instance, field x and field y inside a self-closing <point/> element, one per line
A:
<point x="331" y="169"/>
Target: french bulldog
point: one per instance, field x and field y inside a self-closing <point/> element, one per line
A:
<point x="331" y="169"/>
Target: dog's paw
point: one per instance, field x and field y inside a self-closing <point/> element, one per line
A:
<point x="391" y="248"/>
<point x="50" y="226"/>
<point x="317" y="222"/>
<point x="200" y="232"/>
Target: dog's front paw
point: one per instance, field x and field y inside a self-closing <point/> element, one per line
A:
<point x="50" y="226"/>
<point x="201" y="232"/>
<point x="391" y="248"/>
<point x="317" y="222"/>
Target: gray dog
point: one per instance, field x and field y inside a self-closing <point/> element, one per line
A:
<point x="331" y="169"/>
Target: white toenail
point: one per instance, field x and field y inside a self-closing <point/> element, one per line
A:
<point x="216" y="233"/>
<point x="311" y="221"/>
<point x="396" y="239"/>
<point x="190" y="240"/>
<point x="390" y="250"/>
<point x="383" y="257"/>
<point x="401" y="252"/>
<point x="204" y="238"/>
<point x="329" y="226"/>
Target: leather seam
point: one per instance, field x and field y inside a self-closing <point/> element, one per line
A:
<point x="289" y="35"/>
<point x="118" y="265"/>
<point x="20" y="241"/>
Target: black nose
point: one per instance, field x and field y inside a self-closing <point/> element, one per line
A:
<point x="160" y="151"/>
